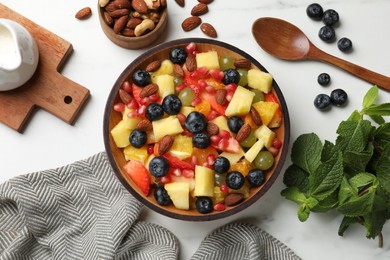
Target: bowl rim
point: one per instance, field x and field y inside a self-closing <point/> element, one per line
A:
<point x="207" y="217"/>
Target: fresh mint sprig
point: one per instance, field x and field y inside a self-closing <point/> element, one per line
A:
<point x="351" y="175"/>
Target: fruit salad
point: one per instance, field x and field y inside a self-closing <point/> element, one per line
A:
<point x="197" y="129"/>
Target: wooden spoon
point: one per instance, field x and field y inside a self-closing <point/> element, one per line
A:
<point x="285" y="41"/>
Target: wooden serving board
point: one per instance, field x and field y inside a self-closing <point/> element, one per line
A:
<point x="47" y="89"/>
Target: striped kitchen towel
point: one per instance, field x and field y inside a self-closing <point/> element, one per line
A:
<point x="81" y="211"/>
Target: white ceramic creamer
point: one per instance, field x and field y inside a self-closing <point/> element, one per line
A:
<point x="19" y="55"/>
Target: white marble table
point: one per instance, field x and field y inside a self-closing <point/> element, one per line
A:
<point x="48" y="142"/>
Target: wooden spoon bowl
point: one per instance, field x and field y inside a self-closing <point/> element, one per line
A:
<point x="116" y="157"/>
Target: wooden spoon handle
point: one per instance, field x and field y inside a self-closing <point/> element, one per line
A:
<point x="363" y="73"/>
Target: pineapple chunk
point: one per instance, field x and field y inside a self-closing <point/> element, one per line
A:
<point x="265" y="134"/>
<point x="260" y="80"/>
<point x="120" y="133"/>
<point x="233" y="157"/>
<point x="179" y="192"/>
<point x="185" y="110"/>
<point x="190" y="181"/>
<point x="266" y="110"/>
<point x="221" y="122"/>
<point x="182" y="147"/>
<point x="166" y="126"/>
<point x="166" y="68"/>
<point x="204" y="181"/>
<point x="241" y="102"/>
<point x="251" y="154"/>
<point x="166" y="84"/>
<point x="133" y="153"/>
<point x="130" y="122"/>
<point x="208" y="59"/>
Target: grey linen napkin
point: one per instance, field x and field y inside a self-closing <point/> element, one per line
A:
<point x="81" y="211"/>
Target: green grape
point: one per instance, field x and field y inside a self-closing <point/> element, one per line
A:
<point x="177" y="81"/>
<point x="226" y="62"/>
<point x="219" y="179"/>
<point x="264" y="160"/>
<point x="243" y="77"/>
<point x="186" y="96"/>
<point x="259" y="95"/>
<point x="249" y="141"/>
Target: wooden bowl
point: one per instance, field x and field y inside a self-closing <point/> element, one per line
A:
<point x="134" y="42"/>
<point x="116" y="157"/>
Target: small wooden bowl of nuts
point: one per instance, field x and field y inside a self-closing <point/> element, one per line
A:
<point x="133" y="24"/>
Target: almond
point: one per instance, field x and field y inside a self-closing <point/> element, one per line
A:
<point x="140" y="6"/>
<point x="199" y="9"/>
<point x="220" y="96"/>
<point x="205" y="1"/>
<point x="119" y="12"/>
<point x="110" y="7"/>
<point x="242" y="64"/>
<point x="153" y="66"/>
<point x="178" y="70"/>
<point x="119" y="24"/>
<point x="209" y="30"/>
<point x="165" y="144"/>
<point x="256" y="116"/>
<point x="133" y="22"/>
<point x="191" y="23"/>
<point x="244" y="132"/>
<point x="212" y="129"/>
<point x="191" y="63"/>
<point x="148" y="90"/>
<point x="122" y="4"/>
<point x="144" y="125"/>
<point x="84" y="13"/>
<point x="108" y="18"/>
<point x="124" y="96"/>
<point x="128" y="32"/>
<point x="233" y="199"/>
<point x="180" y="2"/>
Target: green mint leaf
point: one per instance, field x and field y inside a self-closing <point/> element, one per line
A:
<point x="370" y="97"/>
<point x="359" y="205"/>
<point x="382" y="136"/>
<point x="377" y="110"/>
<point x="294" y="194"/>
<point x="303" y="212"/>
<point x="356" y="162"/>
<point x="306" y="152"/>
<point x="362" y="180"/>
<point x="296" y="177"/>
<point x="377" y="119"/>
<point x="345" y="223"/>
<point x="327" y="204"/>
<point x="353" y="135"/>
<point x="328" y="176"/>
<point x="347" y="191"/>
<point x="327" y="151"/>
<point x="383" y="168"/>
<point x="375" y="220"/>
<point x="355" y="116"/>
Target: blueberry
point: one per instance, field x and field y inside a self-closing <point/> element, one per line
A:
<point x="178" y="55"/>
<point x="161" y="196"/>
<point x="255" y="177"/>
<point x="344" y="44"/>
<point x="231" y="76"/>
<point x="141" y="78"/>
<point x="221" y="165"/>
<point x="322" y="101"/>
<point x="204" y="205"/>
<point x="171" y="104"/>
<point x="235" y="180"/>
<point x="158" y="166"/>
<point x="137" y="138"/>
<point x="327" y="33"/>
<point x="315" y="11"/>
<point x="201" y="140"/>
<point x="235" y="123"/>
<point x="323" y="79"/>
<point x="154" y="111"/>
<point x="330" y="17"/>
<point x="338" y="97"/>
<point x="195" y="122"/>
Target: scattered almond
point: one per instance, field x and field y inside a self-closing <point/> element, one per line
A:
<point x="124" y="96"/>
<point x="178" y="70"/>
<point x="144" y="125"/>
<point x="212" y="129"/>
<point x="220" y="96"/>
<point x="191" y="63"/>
<point x="83" y="13"/>
<point x="205" y="1"/>
<point x="242" y="64"/>
<point x="140" y="6"/>
<point x="191" y="23"/>
<point x="165" y="144"/>
<point x="180" y="2"/>
<point x="256" y="116"/>
<point x="209" y="30"/>
<point x="148" y="90"/>
<point x="244" y="132"/>
<point x="199" y="9"/>
<point x="233" y="199"/>
<point x="153" y="66"/>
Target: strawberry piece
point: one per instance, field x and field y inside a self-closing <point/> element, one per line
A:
<point x="139" y="174"/>
<point x="175" y="162"/>
<point x="136" y="92"/>
<point x="230" y="145"/>
<point x="210" y="98"/>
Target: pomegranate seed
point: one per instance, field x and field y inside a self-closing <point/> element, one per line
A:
<point x="202" y="72"/>
<point x="190" y="48"/>
<point x="219" y="207"/>
<point x="150" y="149"/>
<point x="215" y="139"/>
<point x="194" y="160"/>
<point x="231" y="87"/>
<point x="154" y="97"/>
<point x="202" y="83"/>
<point x="277" y="143"/>
<point x="188" y="173"/>
<point x="119" y="107"/>
<point x="187" y="133"/>
<point x="212" y="115"/>
<point x="133" y="104"/>
<point x="196" y="100"/>
<point x="141" y="110"/>
<point x="224" y="134"/>
<point x="165" y="179"/>
<point x="126" y="86"/>
<point x="176" y="172"/>
<point x="210" y="89"/>
<point x="180" y="87"/>
<point x="194" y="75"/>
<point x="274" y="151"/>
<point x="195" y="89"/>
<point x="182" y="118"/>
<point x="229" y="96"/>
<point x="145" y="101"/>
<point x="132" y="114"/>
<point x="217" y="74"/>
<point x="224" y="188"/>
<point x="210" y="159"/>
<point x="223" y="144"/>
